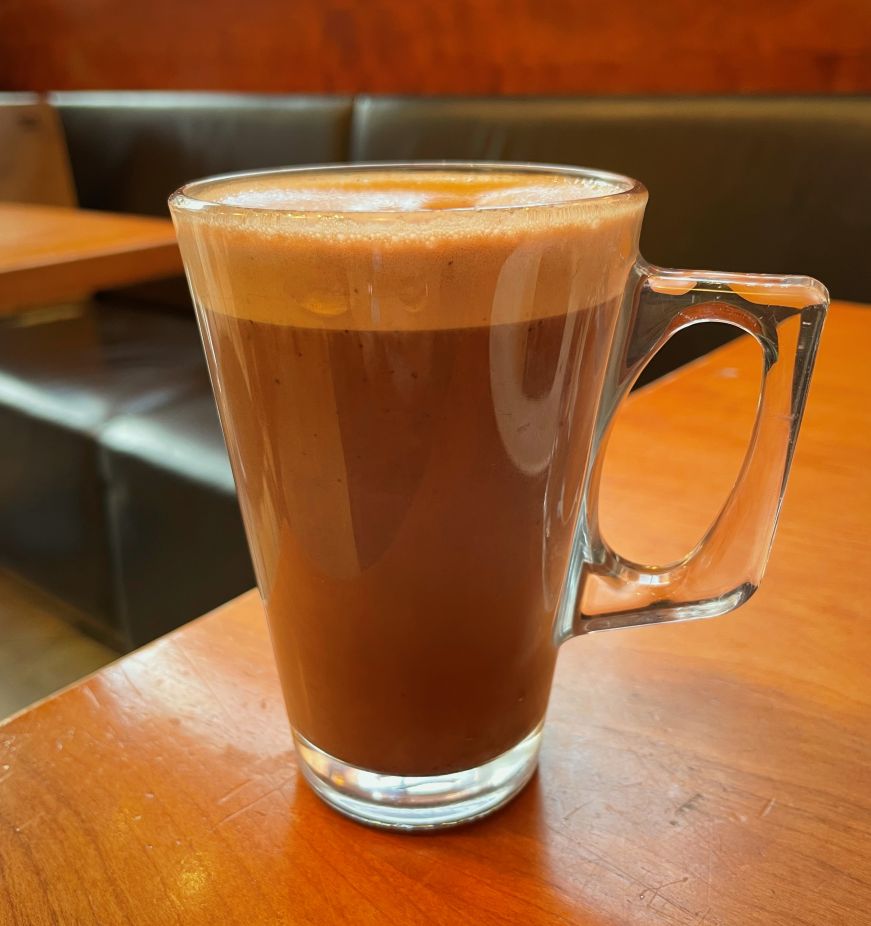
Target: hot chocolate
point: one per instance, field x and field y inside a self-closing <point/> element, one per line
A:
<point x="408" y="367"/>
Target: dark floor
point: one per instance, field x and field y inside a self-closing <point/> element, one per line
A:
<point x="40" y="652"/>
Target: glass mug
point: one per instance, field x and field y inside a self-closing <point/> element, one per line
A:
<point x="416" y="366"/>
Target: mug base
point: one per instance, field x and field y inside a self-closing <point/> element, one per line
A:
<point x="425" y="802"/>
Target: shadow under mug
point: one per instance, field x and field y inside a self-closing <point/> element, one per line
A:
<point x="416" y="367"/>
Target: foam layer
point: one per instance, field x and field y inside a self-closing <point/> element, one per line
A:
<point x="406" y="250"/>
<point x="383" y="191"/>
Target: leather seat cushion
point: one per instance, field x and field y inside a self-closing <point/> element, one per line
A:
<point x="180" y="546"/>
<point x="64" y="374"/>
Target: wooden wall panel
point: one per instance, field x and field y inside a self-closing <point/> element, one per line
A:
<point x="438" y="46"/>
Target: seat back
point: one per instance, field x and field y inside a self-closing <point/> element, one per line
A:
<point x="777" y="185"/>
<point x="131" y="150"/>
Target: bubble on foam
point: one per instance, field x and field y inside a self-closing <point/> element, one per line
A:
<point x="411" y="293"/>
<point x="324" y="307"/>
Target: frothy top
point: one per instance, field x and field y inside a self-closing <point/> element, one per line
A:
<point x="371" y="191"/>
<point x="399" y="249"/>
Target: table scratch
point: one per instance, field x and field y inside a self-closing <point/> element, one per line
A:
<point x="766" y="810"/>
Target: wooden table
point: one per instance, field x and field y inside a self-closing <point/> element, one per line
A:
<point x="708" y="774"/>
<point x="49" y="253"/>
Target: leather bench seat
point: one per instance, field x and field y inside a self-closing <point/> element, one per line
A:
<point x="177" y="535"/>
<point x="95" y="507"/>
<point x="64" y="375"/>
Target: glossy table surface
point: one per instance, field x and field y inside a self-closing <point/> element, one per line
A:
<point x="707" y="774"/>
<point x="51" y="253"/>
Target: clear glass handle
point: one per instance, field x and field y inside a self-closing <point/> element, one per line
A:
<point x="785" y="315"/>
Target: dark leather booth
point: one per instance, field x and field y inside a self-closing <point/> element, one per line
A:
<point x="115" y="489"/>
<point x="129" y="151"/>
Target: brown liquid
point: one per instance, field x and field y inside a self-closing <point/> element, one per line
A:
<point x="410" y="476"/>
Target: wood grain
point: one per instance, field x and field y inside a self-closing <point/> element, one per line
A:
<point x="52" y="253"/>
<point x="709" y="774"/>
<point x="453" y="46"/>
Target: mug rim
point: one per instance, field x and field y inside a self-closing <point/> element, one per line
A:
<point x="189" y="199"/>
